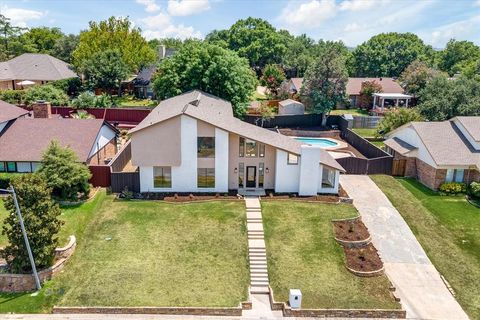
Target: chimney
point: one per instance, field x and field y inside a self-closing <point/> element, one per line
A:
<point x="42" y="109"/>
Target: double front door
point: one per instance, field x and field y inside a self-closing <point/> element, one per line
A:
<point x="251" y="179"/>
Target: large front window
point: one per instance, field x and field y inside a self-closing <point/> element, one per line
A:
<point x="454" y="175"/>
<point x="250" y="148"/>
<point x="11" y="166"/>
<point x="292" y="159"/>
<point x="206" y="147"/>
<point x="206" y="178"/>
<point x="2" y="167"/>
<point x="162" y="177"/>
<point x="328" y="178"/>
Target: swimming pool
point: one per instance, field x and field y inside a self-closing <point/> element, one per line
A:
<point x="322" y="142"/>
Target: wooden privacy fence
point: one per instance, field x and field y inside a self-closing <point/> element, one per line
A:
<point x="370" y="122"/>
<point x="125" y="180"/>
<point x="126" y="116"/>
<point x="101" y="176"/>
<point x="287" y="121"/>
<point x="121" y="158"/>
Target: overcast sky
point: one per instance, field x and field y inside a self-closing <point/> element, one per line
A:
<point x="353" y="21"/>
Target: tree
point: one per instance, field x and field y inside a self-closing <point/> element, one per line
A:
<point x="457" y="55"/>
<point x="254" y="39"/>
<point x="65" y="175"/>
<point x="9" y="35"/>
<point x="444" y="98"/>
<point x="114" y="34"/>
<point x="42" y="39"/>
<point x="396" y="118"/>
<point x="325" y="81"/>
<point x="40" y="215"/>
<point x="55" y="96"/>
<point x="416" y="76"/>
<point x="209" y="68"/>
<point x="64" y="47"/>
<point x="367" y="91"/>
<point x="105" y="70"/>
<point x="272" y="78"/>
<point x="88" y="99"/>
<point x="388" y="54"/>
<point x="298" y="55"/>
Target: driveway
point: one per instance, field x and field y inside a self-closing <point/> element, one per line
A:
<point x="419" y="285"/>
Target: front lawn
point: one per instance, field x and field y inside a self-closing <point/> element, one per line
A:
<point x="448" y="228"/>
<point x="151" y="253"/>
<point x="126" y="101"/>
<point x="303" y="254"/>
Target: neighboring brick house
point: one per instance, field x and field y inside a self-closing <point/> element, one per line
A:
<point x="24" y="140"/>
<point x="438" y="152"/>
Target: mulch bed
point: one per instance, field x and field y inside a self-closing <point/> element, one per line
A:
<point x="364" y="259"/>
<point x="198" y="198"/>
<point x="351" y="230"/>
<point x="319" y="198"/>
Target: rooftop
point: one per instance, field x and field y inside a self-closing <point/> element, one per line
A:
<point x="9" y="111"/>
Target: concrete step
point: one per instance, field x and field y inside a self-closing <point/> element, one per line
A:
<point x="256" y="250"/>
<point x="259" y="289"/>
<point x="258" y="259"/>
<point x="257" y="254"/>
<point x="258" y="263"/>
<point x="254" y="226"/>
<point x="262" y="270"/>
<point x="259" y="277"/>
<point x="256" y="244"/>
<point x="255" y="237"/>
<point x="258" y="283"/>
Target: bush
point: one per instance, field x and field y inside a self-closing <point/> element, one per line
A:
<point x="71" y="86"/>
<point x="453" y="188"/>
<point x="5" y="179"/>
<point x="48" y="93"/>
<point x="64" y="174"/>
<point x="474" y="189"/>
<point x="12" y="96"/>
<point x="397" y="118"/>
<point x="40" y="214"/>
<point x="88" y="99"/>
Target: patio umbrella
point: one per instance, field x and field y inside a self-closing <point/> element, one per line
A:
<point x="25" y="83"/>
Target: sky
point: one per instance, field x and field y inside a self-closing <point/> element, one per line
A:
<point x="352" y="21"/>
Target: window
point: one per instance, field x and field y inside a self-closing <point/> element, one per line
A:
<point x="261" y="151"/>
<point x="162" y="177"/>
<point x="454" y="175"/>
<point x="206" y="147"/>
<point x="261" y="174"/>
<point x="251" y="148"/>
<point x="241" y="174"/>
<point x="11" y="166"/>
<point x="328" y="178"/>
<point x="2" y="166"/>
<point x="292" y="159"/>
<point x="241" y="147"/>
<point x="206" y="177"/>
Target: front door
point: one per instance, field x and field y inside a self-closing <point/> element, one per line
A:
<point x="251" y="177"/>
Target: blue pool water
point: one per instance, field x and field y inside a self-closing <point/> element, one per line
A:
<point x="324" y="143"/>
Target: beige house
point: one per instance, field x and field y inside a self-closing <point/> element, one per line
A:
<point x="438" y="152"/>
<point x="32" y="69"/>
<point x="193" y="143"/>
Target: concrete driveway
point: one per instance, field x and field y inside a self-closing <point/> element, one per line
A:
<point x="419" y="285"/>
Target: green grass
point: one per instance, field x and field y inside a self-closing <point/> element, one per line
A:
<point x="302" y="253"/>
<point x="365" y="132"/>
<point x="131" y="101"/>
<point x="448" y="228"/>
<point x="354" y="112"/>
<point x="160" y="255"/>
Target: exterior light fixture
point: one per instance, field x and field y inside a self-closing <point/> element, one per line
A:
<point x="235" y="170"/>
<point x="266" y="170"/>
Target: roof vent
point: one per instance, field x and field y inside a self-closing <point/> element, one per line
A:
<point x="196" y="102"/>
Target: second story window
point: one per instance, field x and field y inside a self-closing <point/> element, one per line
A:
<point x="206" y="147"/>
<point x="251" y="148"/>
<point x="292" y="159"/>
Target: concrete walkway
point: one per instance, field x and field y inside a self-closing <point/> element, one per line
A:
<point x="419" y="285"/>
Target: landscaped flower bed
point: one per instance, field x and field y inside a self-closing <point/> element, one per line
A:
<point x="364" y="261"/>
<point x="351" y="230"/>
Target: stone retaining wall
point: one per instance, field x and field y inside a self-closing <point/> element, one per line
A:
<point x="367" y="274"/>
<point x="336" y="313"/>
<point x="11" y="282"/>
<point x="198" y="311"/>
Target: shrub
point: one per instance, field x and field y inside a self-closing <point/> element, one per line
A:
<point x="453" y="188"/>
<point x="48" y="93"/>
<point x="397" y="118"/>
<point x="71" y="86"/>
<point x="88" y="99"/>
<point x="474" y="189"/>
<point x="12" y="96"/>
<point x="5" y="179"/>
<point x="103" y="101"/>
<point x="40" y="214"/>
<point x="64" y="174"/>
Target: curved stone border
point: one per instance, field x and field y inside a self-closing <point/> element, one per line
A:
<point x="75" y="203"/>
<point x="12" y="282"/>
<point x="354" y="243"/>
<point x="367" y="274"/>
<point x="469" y="200"/>
<point x="287" y="311"/>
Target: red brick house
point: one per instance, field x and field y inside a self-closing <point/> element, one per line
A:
<point x="438" y="152"/>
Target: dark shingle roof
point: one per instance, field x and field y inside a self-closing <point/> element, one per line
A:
<point x="9" y="111"/>
<point x="27" y="139"/>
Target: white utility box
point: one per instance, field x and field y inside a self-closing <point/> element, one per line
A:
<point x="295" y="298"/>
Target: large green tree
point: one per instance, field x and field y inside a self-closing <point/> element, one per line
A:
<point x="253" y="38"/>
<point x="388" y="54"/>
<point x="64" y="47"/>
<point x="65" y="175"/>
<point x="114" y="34"/>
<point x="396" y="118"/>
<point x="298" y="55"/>
<point x="105" y="70"/>
<point x="444" y="98"/>
<point x="325" y="80"/>
<point x="10" y="45"/>
<point x="200" y="65"/>
<point x="272" y="78"/>
<point x="42" y="39"/>
<point x="458" y="55"/>
<point x="40" y="215"/>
